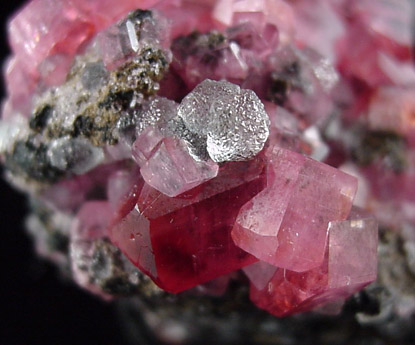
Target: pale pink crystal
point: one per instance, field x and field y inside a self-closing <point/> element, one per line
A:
<point x="310" y="78"/>
<point x="377" y="42"/>
<point x="91" y="221"/>
<point x="315" y="19"/>
<point x="112" y="45"/>
<point x="350" y="264"/>
<point x="277" y="12"/>
<point x="119" y="185"/>
<point x="260" y="273"/>
<point x="187" y="15"/>
<point x="284" y="129"/>
<point x="352" y="249"/>
<point x="389" y="18"/>
<point x="20" y="86"/>
<point x="90" y="224"/>
<point x="246" y="48"/>
<point x="67" y="195"/>
<point x="146" y="144"/>
<point x="173" y="171"/>
<point x="105" y="12"/>
<point x="177" y="227"/>
<point x="286" y="224"/>
<point x="387" y="185"/>
<point x="398" y="72"/>
<point x="120" y="41"/>
<point x="393" y="108"/>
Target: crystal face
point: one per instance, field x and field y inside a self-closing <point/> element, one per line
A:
<point x="233" y="121"/>
<point x="186" y="146"/>
<point x="286" y="224"/>
<point x="185" y="241"/>
<point x="345" y="270"/>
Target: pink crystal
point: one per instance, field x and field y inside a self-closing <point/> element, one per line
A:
<point x="119" y="185"/>
<point x="387" y="185"/>
<point x="113" y="47"/>
<point x="286" y="224"/>
<point x="90" y="224"/>
<point x="61" y="26"/>
<point x="173" y="171"/>
<point x="359" y="56"/>
<point x="167" y="165"/>
<point x="119" y="42"/>
<point x="277" y="12"/>
<point x="104" y="12"/>
<point x="388" y="18"/>
<point x="349" y="265"/>
<point x="92" y="221"/>
<point x="259" y="274"/>
<point x="185" y="241"/>
<point x="69" y="194"/>
<point x="315" y="19"/>
<point x="393" y="108"/>
<point x="245" y="49"/>
<point x="190" y="223"/>
<point x="187" y="15"/>
<point x="146" y="144"/>
<point x="309" y="78"/>
<point x="20" y="86"/>
<point x="352" y="252"/>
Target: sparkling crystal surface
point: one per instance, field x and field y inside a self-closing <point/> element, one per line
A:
<point x="182" y="142"/>
<point x="234" y="121"/>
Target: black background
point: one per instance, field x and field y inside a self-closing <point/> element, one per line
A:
<point x="37" y="307"/>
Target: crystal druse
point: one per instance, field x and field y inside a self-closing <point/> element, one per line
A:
<point x="193" y="145"/>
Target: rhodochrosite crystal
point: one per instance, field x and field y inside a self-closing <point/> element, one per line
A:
<point x="286" y="225"/>
<point x="344" y="270"/>
<point x="186" y="146"/>
<point x="184" y="241"/>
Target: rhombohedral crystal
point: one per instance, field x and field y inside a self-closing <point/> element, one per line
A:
<point x="196" y="145"/>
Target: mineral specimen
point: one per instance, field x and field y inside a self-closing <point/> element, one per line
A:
<point x="174" y="144"/>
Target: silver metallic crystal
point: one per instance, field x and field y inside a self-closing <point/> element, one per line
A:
<point x="195" y="107"/>
<point x="234" y="121"/>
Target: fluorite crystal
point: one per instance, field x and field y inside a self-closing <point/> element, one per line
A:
<point x="185" y="141"/>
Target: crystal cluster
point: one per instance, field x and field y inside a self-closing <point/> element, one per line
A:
<point x="198" y="143"/>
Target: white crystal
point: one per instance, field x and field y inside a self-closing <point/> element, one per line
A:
<point x="74" y="155"/>
<point x="132" y="35"/>
<point x="12" y="130"/>
<point x="320" y="148"/>
<point x="156" y="113"/>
